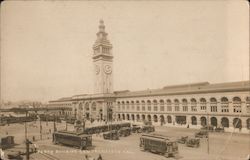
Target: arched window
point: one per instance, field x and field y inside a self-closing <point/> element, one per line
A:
<point x="248" y="123"/>
<point x="127" y="105"/>
<point x="137" y="117"/>
<point x="184" y="105"/>
<point x="155" y="105"/>
<point x="123" y="105"/>
<point x="194" y="120"/>
<point x="149" y="105"/>
<point x="143" y="105"/>
<point x="169" y="118"/>
<point x="237" y="104"/>
<point x="203" y="121"/>
<point x="80" y="106"/>
<point x="224" y="104"/>
<point x="203" y="104"/>
<point x="214" y="121"/>
<point x="248" y="104"/>
<point x="132" y="105"/>
<point x="193" y="105"/>
<point x="155" y="118"/>
<point x="176" y="105"/>
<point x="237" y="123"/>
<point x="225" y="122"/>
<point x="93" y="109"/>
<point x="161" y="105"/>
<point x="169" y="106"/>
<point x="213" y="105"/>
<point x="118" y="106"/>
<point x="87" y="106"/>
<point x="137" y="105"/>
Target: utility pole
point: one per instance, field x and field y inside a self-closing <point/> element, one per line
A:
<point x="66" y="117"/>
<point x="25" y="132"/>
<point x="207" y="133"/>
<point x="27" y="149"/>
<point x="40" y="128"/>
<point x="26" y="137"/>
<point x="54" y="123"/>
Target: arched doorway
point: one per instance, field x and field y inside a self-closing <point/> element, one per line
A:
<point x="149" y="117"/>
<point x="214" y="121"/>
<point x="87" y="108"/>
<point x="237" y="123"/>
<point x="162" y="120"/>
<point x="101" y="114"/>
<point x="203" y="121"/>
<point x="194" y="120"/>
<point x="137" y="117"/>
<point x="119" y="116"/>
<point x="155" y="118"/>
<point x="224" y="122"/>
<point x="248" y="123"/>
<point x="128" y="117"/>
<point x="110" y="114"/>
<point x="123" y="117"/>
<point x="133" y="117"/>
<point x="169" y="119"/>
<point x="143" y="117"/>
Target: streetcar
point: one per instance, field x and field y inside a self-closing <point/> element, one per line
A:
<point x="159" y="144"/>
<point x="80" y="140"/>
<point x="112" y="135"/>
<point x="7" y="142"/>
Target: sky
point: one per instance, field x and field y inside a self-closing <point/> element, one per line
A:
<point x="46" y="46"/>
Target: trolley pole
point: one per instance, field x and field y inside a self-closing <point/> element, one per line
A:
<point x="207" y="133"/>
<point x="54" y="123"/>
<point x="26" y="112"/>
<point x="40" y="128"/>
<point x="27" y="149"/>
<point x="66" y="123"/>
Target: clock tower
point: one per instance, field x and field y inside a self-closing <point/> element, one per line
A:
<point x="103" y="62"/>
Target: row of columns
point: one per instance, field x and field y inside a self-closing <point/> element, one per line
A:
<point x="233" y="122"/>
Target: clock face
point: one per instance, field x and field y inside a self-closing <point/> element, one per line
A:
<point x="107" y="69"/>
<point x="97" y="69"/>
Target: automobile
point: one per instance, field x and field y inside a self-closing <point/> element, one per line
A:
<point x="112" y="135"/>
<point x="14" y="155"/>
<point x="147" y="122"/>
<point x="159" y="144"/>
<point x="183" y="139"/>
<point x="124" y="131"/>
<point x="219" y="129"/>
<point x="148" y="128"/>
<point x="208" y="128"/>
<point x="193" y="142"/>
<point x="201" y="134"/>
<point x="136" y="129"/>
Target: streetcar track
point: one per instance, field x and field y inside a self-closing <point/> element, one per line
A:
<point x="49" y="156"/>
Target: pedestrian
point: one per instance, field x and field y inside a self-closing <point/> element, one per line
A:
<point x="99" y="157"/>
<point x="1" y="154"/>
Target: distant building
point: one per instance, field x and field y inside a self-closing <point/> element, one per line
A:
<point x="194" y="105"/>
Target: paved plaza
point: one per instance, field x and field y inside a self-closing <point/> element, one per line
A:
<point x="222" y="146"/>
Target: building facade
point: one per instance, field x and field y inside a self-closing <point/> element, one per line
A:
<point x="191" y="105"/>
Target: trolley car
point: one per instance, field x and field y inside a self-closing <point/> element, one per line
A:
<point x="81" y="141"/>
<point x="159" y="144"/>
<point x="7" y="142"/>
